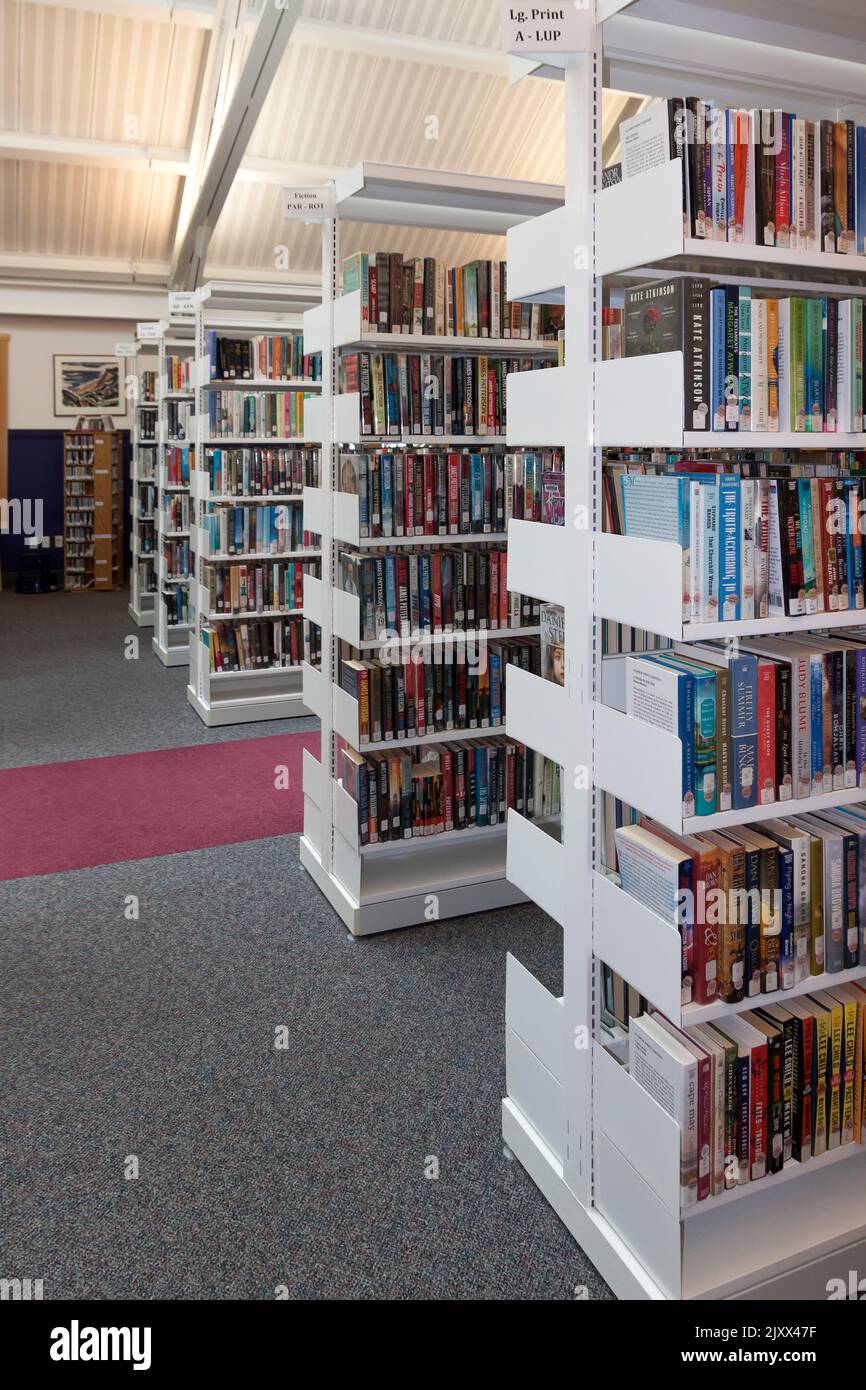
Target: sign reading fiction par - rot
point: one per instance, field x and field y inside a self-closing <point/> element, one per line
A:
<point x="531" y="29"/>
<point x="309" y="204"/>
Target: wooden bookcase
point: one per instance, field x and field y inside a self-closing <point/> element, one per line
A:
<point x="92" y="510"/>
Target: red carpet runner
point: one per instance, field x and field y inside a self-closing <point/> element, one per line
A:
<point x="75" y="815"/>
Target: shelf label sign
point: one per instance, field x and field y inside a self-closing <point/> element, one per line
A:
<point x="148" y="332"/>
<point x="181" y="304"/>
<point x="529" y="30"/>
<point x="126" y="349"/>
<point x="309" y="204"/>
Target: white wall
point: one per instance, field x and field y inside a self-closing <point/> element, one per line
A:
<point x="32" y="345"/>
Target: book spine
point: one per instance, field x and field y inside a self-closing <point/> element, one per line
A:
<point x="732" y="370"/>
<point x="744" y="358"/>
<point x="783" y="179"/>
<point x="696" y="346"/>
<point x="786" y="935"/>
<point x="718" y="358"/>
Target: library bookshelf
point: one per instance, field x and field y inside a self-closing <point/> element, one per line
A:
<point x="172" y="626"/>
<point x="383" y="887"/>
<point x="602" y="1151"/>
<point x="142" y="503"/>
<point x="92" y="510"/>
<point x="241" y="312"/>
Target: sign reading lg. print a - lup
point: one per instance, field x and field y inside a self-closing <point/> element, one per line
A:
<point x="528" y="30"/>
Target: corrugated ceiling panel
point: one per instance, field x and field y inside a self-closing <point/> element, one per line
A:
<point x="59" y="76"/>
<point x="188" y="55"/>
<point x="463" y="21"/>
<point x="8" y="66"/>
<point x="132" y="58"/>
<point x="384" y="110"/>
<point x="8" y="204"/>
<point x="158" y="232"/>
<point x="51" y="208"/>
<point x="115" y="212"/>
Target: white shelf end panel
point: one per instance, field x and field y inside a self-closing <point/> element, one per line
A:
<point x="533" y="1053"/>
<point x="537" y="713"/>
<point x="537" y="408"/>
<point x="539" y="563"/>
<point x="536" y="864"/>
<point x="538" y="251"/>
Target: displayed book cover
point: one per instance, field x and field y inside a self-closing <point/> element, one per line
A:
<point x="553" y="643"/>
<point x="553" y="497"/>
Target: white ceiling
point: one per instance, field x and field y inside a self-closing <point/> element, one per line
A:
<point x="98" y="107"/>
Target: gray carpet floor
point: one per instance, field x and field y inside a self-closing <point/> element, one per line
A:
<point x="259" y="1168"/>
<point x="67" y="690"/>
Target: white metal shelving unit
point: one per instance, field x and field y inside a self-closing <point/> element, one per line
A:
<point x="143" y="543"/>
<point x="239" y="310"/>
<point x="381" y="888"/>
<point x="603" y="1152"/>
<point x="171" y="639"/>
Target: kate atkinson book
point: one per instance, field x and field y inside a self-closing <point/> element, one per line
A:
<point x="668" y="1072"/>
<point x="674" y="316"/>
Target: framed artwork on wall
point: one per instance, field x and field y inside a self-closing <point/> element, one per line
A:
<point x="88" y="381"/>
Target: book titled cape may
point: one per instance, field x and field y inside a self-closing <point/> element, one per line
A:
<point x="674" y="316"/>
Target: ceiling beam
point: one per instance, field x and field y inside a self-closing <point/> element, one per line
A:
<point x="225" y="155"/>
<point x="152" y="159"/>
<point x="19" y="269"/>
<point x="110" y="154"/>
<point x="402" y="47"/>
<point x="198" y="14"/>
<point x="315" y="33"/>
<point x="210" y="99"/>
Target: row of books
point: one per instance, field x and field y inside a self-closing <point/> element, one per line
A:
<point x="760" y="907"/>
<point x="735" y="456"/>
<point x="751" y="547"/>
<point x="146" y="538"/>
<point x="763" y="1088"/>
<point x="268" y="414"/>
<point x="412" y="393"/>
<point x="269" y="643"/>
<point x="147" y="427"/>
<point x="422" y="295"/>
<point x="147" y="579"/>
<point x="178" y="462"/>
<point x="437" y="788"/>
<point x="175" y="511"/>
<point x="452" y="493"/>
<point x="177" y="558"/>
<point x="433" y="689"/>
<point x="767" y="720"/>
<point x="754" y="362"/>
<point x="271" y="356"/>
<point x="146" y="498"/>
<point x="262" y="472"/>
<point x="760" y="176"/>
<point x="175" y="597"/>
<point x="254" y="587"/>
<point x="178" y="419"/>
<point x="439" y="591"/>
<point x="254" y="529"/>
<point x="178" y="373"/>
<point x="147" y="388"/>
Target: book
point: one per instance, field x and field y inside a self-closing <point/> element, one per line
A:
<point x="668" y="1071"/>
<point x="553" y="643"/>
